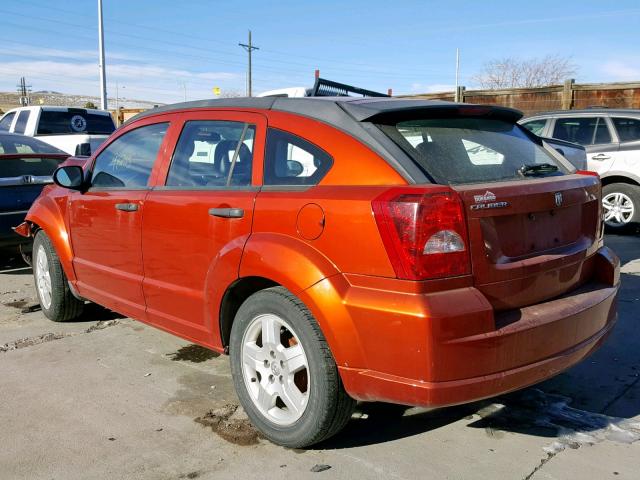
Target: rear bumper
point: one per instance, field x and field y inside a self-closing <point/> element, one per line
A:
<point x="445" y="348"/>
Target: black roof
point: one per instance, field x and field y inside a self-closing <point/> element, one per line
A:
<point x="328" y="108"/>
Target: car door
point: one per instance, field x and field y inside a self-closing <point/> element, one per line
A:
<point x="593" y="133"/>
<point x="628" y="131"/>
<point x="106" y="220"/>
<point x="198" y="218"/>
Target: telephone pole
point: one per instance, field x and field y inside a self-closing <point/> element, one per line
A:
<point x="24" y="90"/>
<point x="249" y="48"/>
<point x="103" y="76"/>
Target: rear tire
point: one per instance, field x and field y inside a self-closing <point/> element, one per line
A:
<point x="56" y="300"/>
<point x="621" y="204"/>
<point x="263" y="366"/>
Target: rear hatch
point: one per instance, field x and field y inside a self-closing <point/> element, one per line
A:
<point x="531" y="241"/>
<point x="532" y="223"/>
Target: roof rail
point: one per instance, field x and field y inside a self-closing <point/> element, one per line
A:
<point x="329" y="88"/>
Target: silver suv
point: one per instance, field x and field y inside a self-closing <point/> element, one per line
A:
<point x="612" y="141"/>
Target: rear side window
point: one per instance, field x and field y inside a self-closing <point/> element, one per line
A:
<point x="128" y="160"/>
<point x="582" y="130"/>
<point x="470" y="150"/>
<point x="21" y="122"/>
<point x="628" y="128"/>
<point x="5" y="123"/>
<point x="535" y="126"/>
<point x="291" y="160"/>
<point x="213" y="154"/>
<point x="79" y="121"/>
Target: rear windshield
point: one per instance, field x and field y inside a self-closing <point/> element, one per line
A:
<point x="471" y="150"/>
<point x="37" y="167"/>
<point x="67" y="123"/>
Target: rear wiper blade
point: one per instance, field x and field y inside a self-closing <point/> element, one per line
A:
<point x="537" y="169"/>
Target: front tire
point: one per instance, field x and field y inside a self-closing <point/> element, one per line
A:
<point x="284" y="373"/>
<point x="56" y="300"/>
<point x="621" y="205"/>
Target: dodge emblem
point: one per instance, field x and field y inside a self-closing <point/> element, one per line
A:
<point x="558" y="199"/>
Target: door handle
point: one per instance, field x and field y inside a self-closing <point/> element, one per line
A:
<point x="227" y="212"/>
<point x="127" y="207"/>
<point x="600" y="156"/>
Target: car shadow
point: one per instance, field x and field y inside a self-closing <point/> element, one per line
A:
<point x="12" y="263"/>
<point x="581" y="406"/>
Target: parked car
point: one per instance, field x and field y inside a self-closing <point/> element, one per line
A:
<point x="612" y="140"/>
<point x="573" y="152"/>
<point x="435" y="254"/>
<point x="26" y="166"/>
<point x="64" y="128"/>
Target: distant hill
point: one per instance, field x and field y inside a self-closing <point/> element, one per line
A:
<point x="9" y="100"/>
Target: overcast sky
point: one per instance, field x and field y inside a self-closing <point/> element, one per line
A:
<point x="157" y="50"/>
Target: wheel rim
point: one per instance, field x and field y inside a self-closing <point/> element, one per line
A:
<point x="43" y="277"/>
<point x="275" y="369"/>
<point x="618" y="209"/>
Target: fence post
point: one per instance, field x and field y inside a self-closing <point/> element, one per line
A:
<point x="567" y="94"/>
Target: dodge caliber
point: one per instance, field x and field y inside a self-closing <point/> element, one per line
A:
<point x="337" y="249"/>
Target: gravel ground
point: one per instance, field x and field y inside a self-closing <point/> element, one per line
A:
<point x="108" y="397"/>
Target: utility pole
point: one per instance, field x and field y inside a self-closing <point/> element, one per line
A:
<point x="24" y="90"/>
<point x="457" y="94"/>
<point x="103" y="76"/>
<point x="249" y="48"/>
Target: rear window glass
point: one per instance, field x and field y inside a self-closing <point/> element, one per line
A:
<point x="54" y="122"/>
<point x="11" y="144"/>
<point x="470" y="150"/>
<point x="628" y="128"/>
<point x="37" y="167"/>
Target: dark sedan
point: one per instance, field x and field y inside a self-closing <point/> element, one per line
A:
<point x="26" y="166"/>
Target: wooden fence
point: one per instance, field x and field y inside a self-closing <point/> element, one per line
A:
<point x="568" y="96"/>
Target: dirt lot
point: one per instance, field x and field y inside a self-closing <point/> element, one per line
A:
<point x="107" y="397"/>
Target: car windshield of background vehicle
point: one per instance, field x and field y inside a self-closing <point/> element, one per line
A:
<point x="54" y="122"/>
<point x="213" y="154"/>
<point x="470" y="150"/>
<point x="582" y="130"/>
<point x="128" y="160"/>
<point x="628" y="128"/>
<point x="12" y="144"/>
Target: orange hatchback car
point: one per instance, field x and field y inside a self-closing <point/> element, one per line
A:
<point x="338" y="249"/>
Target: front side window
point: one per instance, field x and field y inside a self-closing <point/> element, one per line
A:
<point x="628" y="128"/>
<point x="291" y="160"/>
<point x="213" y="153"/>
<point x="21" y="122"/>
<point x="128" y="160"/>
<point x="535" y="126"/>
<point x="462" y="150"/>
<point x="582" y="130"/>
<point x="5" y="123"/>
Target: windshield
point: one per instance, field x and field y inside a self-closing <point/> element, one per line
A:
<point x="472" y="150"/>
<point x="12" y="144"/>
<point x="53" y="122"/>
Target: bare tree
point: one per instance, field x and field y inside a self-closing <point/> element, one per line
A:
<point x="534" y="72"/>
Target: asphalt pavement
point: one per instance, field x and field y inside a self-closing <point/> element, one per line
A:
<point x="107" y="397"/>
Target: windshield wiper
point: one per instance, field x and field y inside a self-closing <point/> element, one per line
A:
<point x="537" y="169"/>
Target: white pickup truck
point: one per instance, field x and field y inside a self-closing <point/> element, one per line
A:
<point x="63" y="127"/>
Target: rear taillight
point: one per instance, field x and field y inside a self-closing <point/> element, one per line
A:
<point x="424" y="232"/>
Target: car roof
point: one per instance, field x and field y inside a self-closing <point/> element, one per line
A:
<point x="587" y="111"/>
<point x="332" y="109"/>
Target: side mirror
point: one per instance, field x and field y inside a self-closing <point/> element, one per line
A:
<point x="294" y="168"/>
<point x="83" y="150"/>
<point x="71" y="176"/>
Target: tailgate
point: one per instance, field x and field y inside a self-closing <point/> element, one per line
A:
<point x="531" y="241"/>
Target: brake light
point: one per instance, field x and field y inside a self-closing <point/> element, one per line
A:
<point x="424" y="232"/>
<point x="587" y="172"/>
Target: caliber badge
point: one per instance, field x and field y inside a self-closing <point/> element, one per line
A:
<point x="487" y="201"/>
